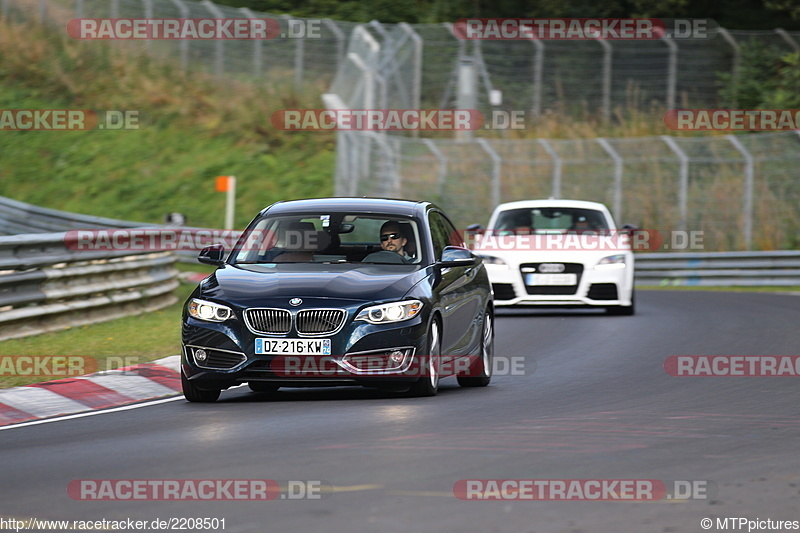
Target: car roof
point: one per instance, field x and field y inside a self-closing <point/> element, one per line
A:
<point x="551" y="203"/>
<point x="383" y="206"/>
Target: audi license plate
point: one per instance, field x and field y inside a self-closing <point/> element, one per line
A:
<point x="551" y="279"/>
<point x="293" y="346"/>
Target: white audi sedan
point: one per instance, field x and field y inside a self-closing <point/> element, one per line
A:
<point x="557" y="253"/>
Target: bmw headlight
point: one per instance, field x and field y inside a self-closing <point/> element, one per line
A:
<point x="611" y="262"/>
<point x="209" y="311"/>
<point x="393" y="312"/>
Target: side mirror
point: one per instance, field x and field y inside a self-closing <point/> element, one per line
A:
<point x="456" y="256"/>
<point x="212" y="255"/>
<point x="628" y="228"/>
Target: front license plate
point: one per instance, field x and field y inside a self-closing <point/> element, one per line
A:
<point x="551" y="279"/>
<point x="293" y="346"/>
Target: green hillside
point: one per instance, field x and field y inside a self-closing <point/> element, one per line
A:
<point x="192" y="128"/>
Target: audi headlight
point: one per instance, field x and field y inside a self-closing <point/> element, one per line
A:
<point x="492" y="260"/>
<point x="393" y="312"/>
<point x="611" y="262"/>
<point x="208" y="311"/>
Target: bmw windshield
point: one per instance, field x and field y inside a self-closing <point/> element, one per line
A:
<point x="330" y="238"/>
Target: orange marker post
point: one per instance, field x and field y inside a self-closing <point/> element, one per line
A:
<point x="227" y="184"/>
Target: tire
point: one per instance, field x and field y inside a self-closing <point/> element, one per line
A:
<point x="480" y="373"/>
<point x="261" y="386"/>
<point x="428" y="383"/>
<point x="624" y="310"/>
<point x="193" y="394"/>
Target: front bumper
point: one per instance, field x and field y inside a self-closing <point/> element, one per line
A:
<point x="595" y="288"/>
<point x="355" y="351"/>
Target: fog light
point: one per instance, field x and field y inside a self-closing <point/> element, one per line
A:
<point x="200" y="355"/>
<point x="396" y="357"/>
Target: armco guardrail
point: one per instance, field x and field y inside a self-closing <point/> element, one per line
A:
<point x="19" y="217"/>
<point x="45" y="286"/>
<point x="719" y="269"/>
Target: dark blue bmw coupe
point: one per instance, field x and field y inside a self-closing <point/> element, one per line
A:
<point x="340" y="291"/>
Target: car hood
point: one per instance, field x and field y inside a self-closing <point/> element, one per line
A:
<point x="250" y="284"/>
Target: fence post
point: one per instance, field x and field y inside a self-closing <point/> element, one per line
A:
<point x="736" y="61"/>
<point x="672" y="71"/>
<point x="466" y="97"/>
<point x="788" y="38"/>
<point x="256" y="45"/>
<point x="556" y="167"/>
<point x="363" y="142"/>
<point x="378" y="27"/>
<point x="367" y="71"/>
<point x="299" y="53"/>
<point x="342" y="168"/>
<point x="477" y="54"/>
<point x="42" y="10"/>
<point x="367" y="75"/>
<point x="618" y="162"/>
<point x="78" y="9"/>
<point x="607" y="64"/>
<point x="496" y="169"/>
<point x="538" y="68"/>
<point x="148" y="14"/>
<point x="365" y="159"/>
<point x="219" y="44"/>
<point x="113" y="9"/>
<point x="444" y="103"/>
<point x="747" y="224"/>
<point x="340" y="38"/>
<point x="393" y="191"/>
<point x="390" y="75"/>
<point x="184" y="44"/>
<point x="416" y="81"/>
<point x="683" y="187"/>
<point x="441" y="175"/>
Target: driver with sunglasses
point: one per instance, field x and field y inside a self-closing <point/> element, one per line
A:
<point x="392" y="240"/>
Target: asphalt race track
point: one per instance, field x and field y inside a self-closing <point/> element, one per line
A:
<point x="594" y="403"/>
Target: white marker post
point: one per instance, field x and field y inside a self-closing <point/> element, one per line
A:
<point x="227" y="184"/>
